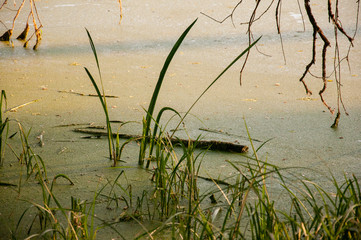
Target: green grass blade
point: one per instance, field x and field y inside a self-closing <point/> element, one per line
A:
<point x="2" y="124"/>
<point x="94" y="51"/>
<point x="156" y="93"/>
<point x="156" y="125"/>
<point x="101" y="96"/>
<point x="110" y="140"/>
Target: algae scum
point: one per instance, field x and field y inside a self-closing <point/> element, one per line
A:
<point x="298" y="179"/>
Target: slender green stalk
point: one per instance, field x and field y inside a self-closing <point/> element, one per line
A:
<point x="102" y="98"/>
<point x="156" y="91"/>
<point x="3" y="124"/>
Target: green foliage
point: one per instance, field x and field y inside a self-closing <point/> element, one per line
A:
<point x="3" y="124"/>
<point x="156" y="91"/>
<point x="113" y="150"/>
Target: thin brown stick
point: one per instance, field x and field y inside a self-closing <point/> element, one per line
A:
<point x="4" y="3"/>
<point x="303" y="20"/>
<point x="37" y="29"/>
<point x="17" y="14"/>
<point x="120" y="11"/>
<point x="249" y="40"/>
<point x="228" y="16"/>
<point x="324" y="52"/>
<point x="261" y="15"/>
<point x="278" y="24"/>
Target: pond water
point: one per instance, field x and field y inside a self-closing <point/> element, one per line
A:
<point x="131" y="54"/>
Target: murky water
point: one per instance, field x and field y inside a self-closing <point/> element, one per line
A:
<point x="131" y="55"/>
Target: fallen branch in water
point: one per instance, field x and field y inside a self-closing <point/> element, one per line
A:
<point x="226" y="133"/>
<point x="210" y="144"/>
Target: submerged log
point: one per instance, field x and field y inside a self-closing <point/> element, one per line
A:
<point x="205" y="144"/>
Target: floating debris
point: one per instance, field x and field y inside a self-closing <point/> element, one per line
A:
<point x="62" y="150"/>
<point x="88" y="95"/>
<point x="41" y="139"/>
<point x="14" y="109"/>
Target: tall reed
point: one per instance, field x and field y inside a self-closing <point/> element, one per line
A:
<point x="156" y="91"/>
<point x="150" y="111"/>
<point x="3" y="125"/>
<point x="101" y="94"/>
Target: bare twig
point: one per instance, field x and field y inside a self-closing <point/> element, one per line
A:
<point x="303" y="20"/>
<point x="278" y="24"/>
<point x="120" y="11"/>
<point x="249" y="40"/>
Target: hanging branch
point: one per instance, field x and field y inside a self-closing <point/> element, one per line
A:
<point x="303" y="20"/>
<point x="326" y="43"/>
<point x="228" y="16"/>
<point x="250" y="37"/>
<point x="317" y="32"/>
<point x="2" y="5"/>
<point x="278" y="24"/>
<point x="336" y="21"/>
<point x="120" y="11"/>
<point x="337" y="71"/>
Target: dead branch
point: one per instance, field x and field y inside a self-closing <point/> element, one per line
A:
<point x="204" y="144"/>
<point x="326" y="43"/>
<point x="228" y="16"/>
<point x="2" y="5"/>
<point x="120" y="11"/>
<point x="336" y="22"/>
<point x="278" y="24"/>
<point x="303" y="20"/>
<point x="250" y="37"/>
<point x="317" y="33"/>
